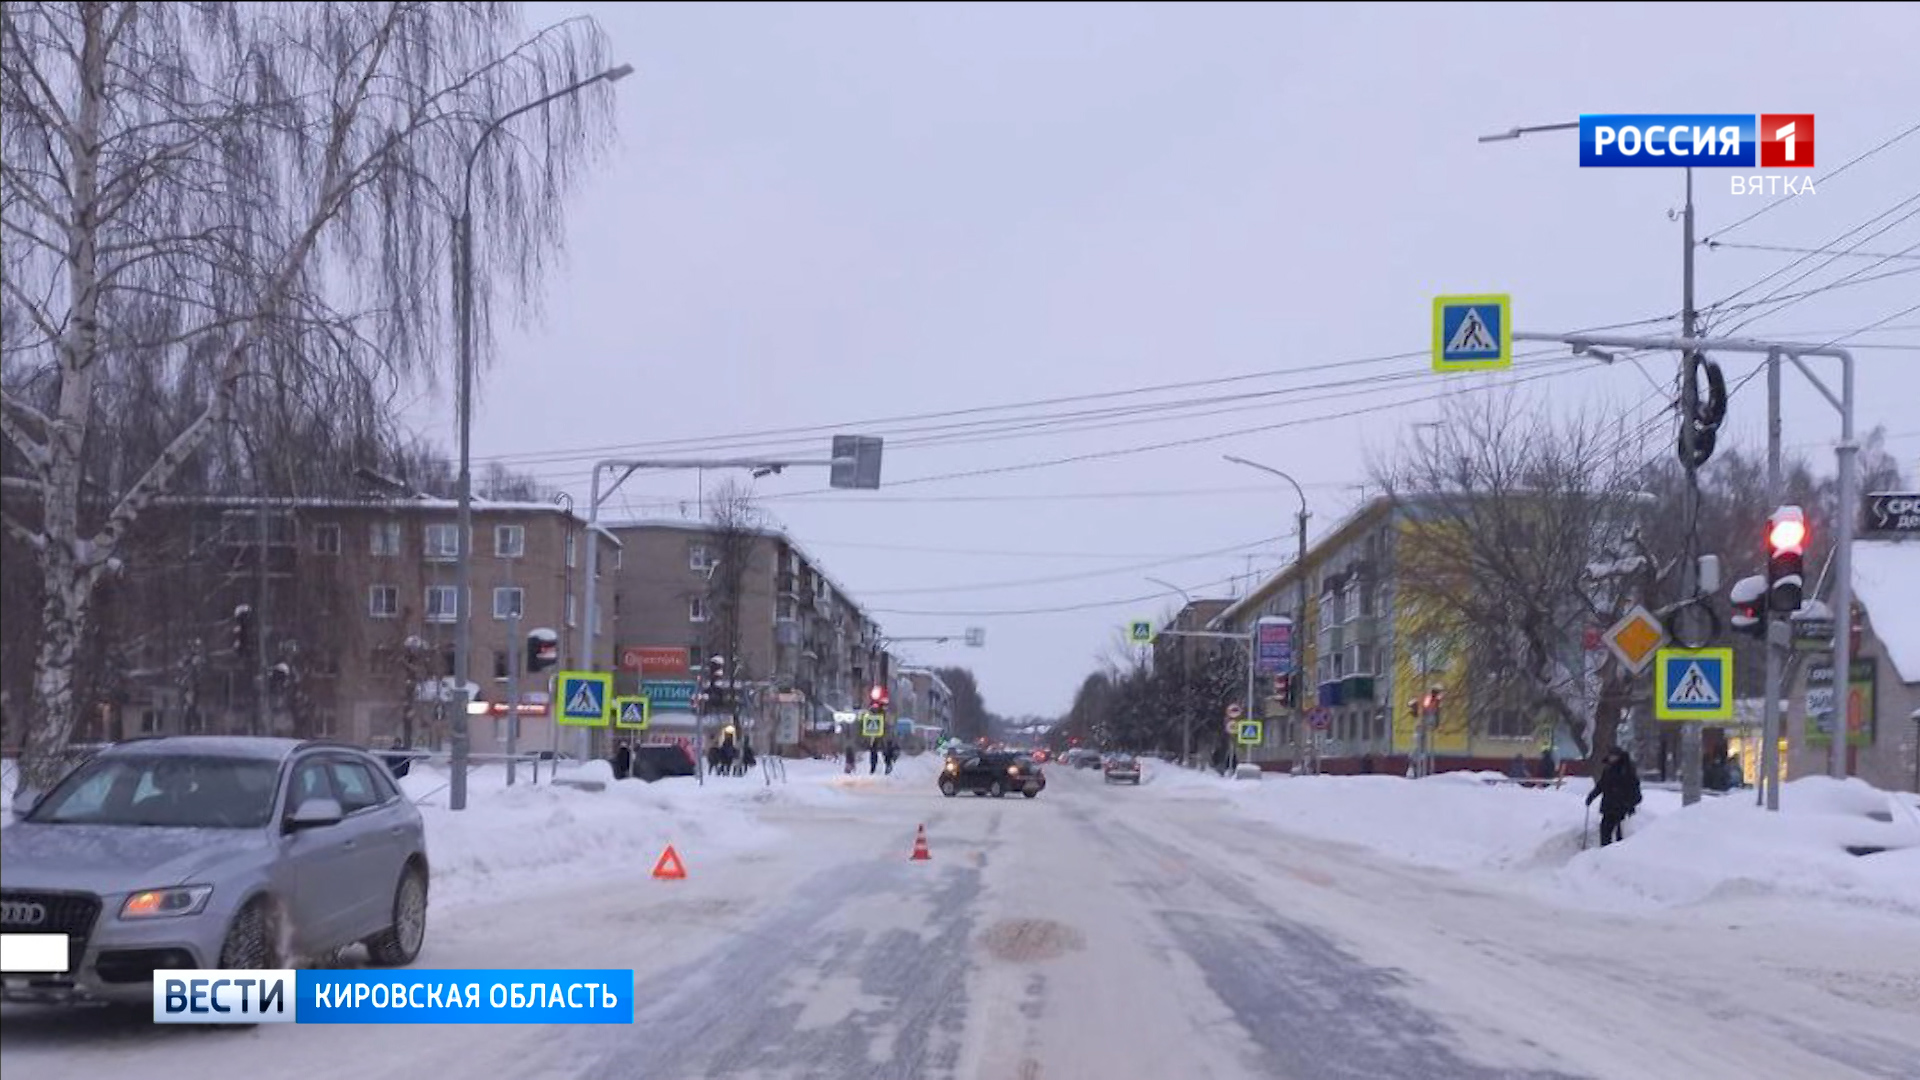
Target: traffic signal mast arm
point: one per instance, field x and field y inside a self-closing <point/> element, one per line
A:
<point x="1205" y="634"/>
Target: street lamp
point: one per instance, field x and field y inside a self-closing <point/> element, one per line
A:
<point x="1514" y="133"/>
<point x="463" y="604"/>
<point x="1299" y="571"/>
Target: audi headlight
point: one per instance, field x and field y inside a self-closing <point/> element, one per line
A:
<point x="162" y="903"/>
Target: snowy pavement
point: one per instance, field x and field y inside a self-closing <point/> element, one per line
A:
<point x="1187" y="928"/>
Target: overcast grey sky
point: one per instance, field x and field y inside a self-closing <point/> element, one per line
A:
<point x="827" y="214"/>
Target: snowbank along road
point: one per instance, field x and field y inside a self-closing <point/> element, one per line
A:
<point x="1109" y="932"/>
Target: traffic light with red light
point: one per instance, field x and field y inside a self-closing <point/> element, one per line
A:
<point x="543" y="651"/>
<point x="1749" y="601"/>
<point x="877" y="699"/>
<point x="1786" y="552"/>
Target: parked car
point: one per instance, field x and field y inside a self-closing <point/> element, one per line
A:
<point x="1122" y="768"/>
<point x="1088" y="759"/>
<point x="207" y="852"/>
<point x="993" y="773"/>
<point x="652" y="763"/>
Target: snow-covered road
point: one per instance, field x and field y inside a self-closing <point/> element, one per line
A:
<point x="1097" y="932"/>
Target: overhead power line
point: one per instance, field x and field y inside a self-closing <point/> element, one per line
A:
<point x="1055" y="579"/>
<point x="1829" y="245"/>
<point x="1717" y="245"/>
<point x="915" y="423"/>
<point x="1560" y="367"/>
<point x="1060" y="609"/>
<point x="1897" y="137"/>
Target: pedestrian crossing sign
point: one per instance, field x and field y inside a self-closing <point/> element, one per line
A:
<point x="1693" y="684"/>
<point x="1473" y="333"/>
<point x="632" y="713"/>
<point x="1140" y="632"/>
<point x="1249" y="732"/>
<point x="584" y="698"/>
<point x="872" y="725"/>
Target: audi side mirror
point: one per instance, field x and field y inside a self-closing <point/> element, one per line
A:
<point x="316" y="814"/>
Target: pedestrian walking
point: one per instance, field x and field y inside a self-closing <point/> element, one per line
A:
<point x="892" y="754"/>
<point x="622" y="761"/>
<point x="850" y="759"/>
<point x="1618" y="789"/>
<point x="873" y="757"/>
<point x="727" y="754"/>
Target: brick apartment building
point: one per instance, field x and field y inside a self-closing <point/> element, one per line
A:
<point x="355" y="600"/>
<point x="806" y="649"/>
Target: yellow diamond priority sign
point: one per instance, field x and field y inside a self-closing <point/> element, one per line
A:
<point x="1635" y="639"/>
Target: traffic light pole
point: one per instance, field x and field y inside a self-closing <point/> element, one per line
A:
<point x="514" y="649"/>
<point x="1768" y="781"/>
<point x="1845" y="451"/>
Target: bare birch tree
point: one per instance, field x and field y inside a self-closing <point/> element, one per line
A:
<point x="1524" y="532"/>
<point x="192" y="193"/>
<point x="737" y="527"/>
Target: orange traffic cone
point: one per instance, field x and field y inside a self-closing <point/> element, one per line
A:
<point x="920" y="852"/>
<point x="669" y="867"/>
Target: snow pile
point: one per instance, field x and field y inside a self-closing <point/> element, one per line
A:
<point x="1721" y="848"/>
<point x="534" y="835"/>
<point x="1456" y="821"/>
<point x="1726" y="848"/>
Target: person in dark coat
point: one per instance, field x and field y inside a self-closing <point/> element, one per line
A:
<point x="1618" y="789"/>
<point x="1547" y="764"/>
<point x="727" y="754"/>
<point x="850" y="759"/>
<point x="746" y="756"/>
<point x="892" y="755"/>
<point x="873" y="757"/>
<point x="622" y="761"/>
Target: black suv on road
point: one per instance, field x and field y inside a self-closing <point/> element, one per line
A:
<point x="993" y="774"/>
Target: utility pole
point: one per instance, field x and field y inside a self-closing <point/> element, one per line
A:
<point x="1768" y="780"/>
<point x="262" y="715"/>
<point x="1689" y="562"/>
<point x="516" y="654"/>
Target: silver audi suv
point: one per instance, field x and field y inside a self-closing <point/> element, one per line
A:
<point x="208" y="852"/>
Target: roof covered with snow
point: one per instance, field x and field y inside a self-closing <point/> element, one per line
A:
<point x="1886" y="581"/>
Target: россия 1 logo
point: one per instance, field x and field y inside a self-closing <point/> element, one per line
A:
<point x="1705" y="140"/>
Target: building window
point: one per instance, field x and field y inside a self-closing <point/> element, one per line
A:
<point x="383" y="602"/>
<point x="326" y="539"/>
<point x="383" y="539"/>
<point x="572" y="617"/>
<point x="619" y="557"/>
<point x="1509" y="722"/>
<point x="699" y="558"/>
<point x="443" y="605"/>
<point x="786" y="611"/>
<point x="149" y="721"/>
<point x="509" y="602"/>
<point x="500" y="665"/>
<point x="697" y="609"/>
<point x="510" y="541"/>
<point x="443" y="543"/>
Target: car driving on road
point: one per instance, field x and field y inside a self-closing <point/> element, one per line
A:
<point x="206" y="852"/>
<point x="1122" y="769"/>
<point x="993" y="774"/>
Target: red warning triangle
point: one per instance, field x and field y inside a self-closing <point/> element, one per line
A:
<point x="669" y="867"/>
